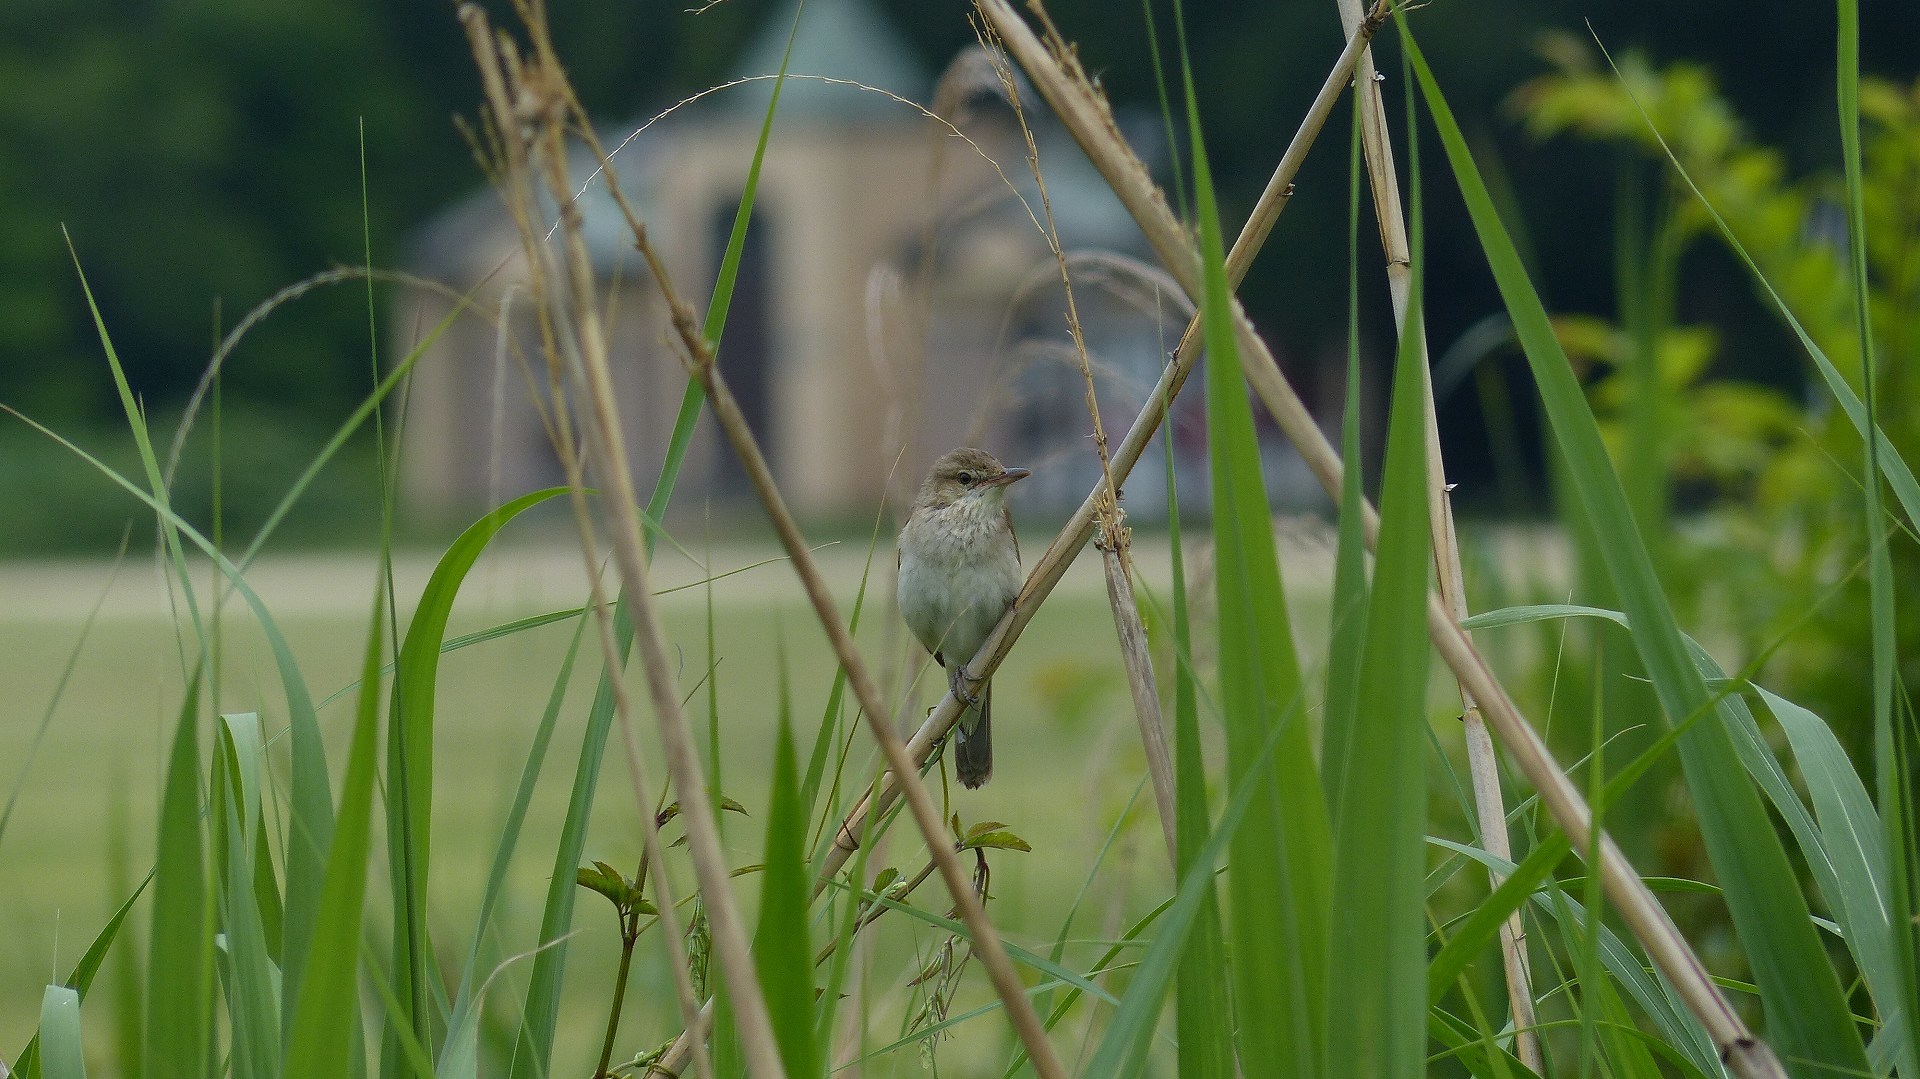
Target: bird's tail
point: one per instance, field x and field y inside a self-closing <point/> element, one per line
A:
<point x="973" y="744"/>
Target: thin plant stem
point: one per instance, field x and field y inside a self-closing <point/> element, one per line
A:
<point x="733" y="423"/>
<point x="1116" y="164"/>
<point x="1483" y="765"/>
<point x="529" y="104"/>
<point x="629" y="934"/>
<point x="1114" y="536"/>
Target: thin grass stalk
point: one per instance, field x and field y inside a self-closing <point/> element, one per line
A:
<point x="1059" y="78"/>
<point x="536" y="85"/>
<point x="1052" y="565"/>
<point x="986" y="939"/>
<point x="1483" y="765"/>
<point x="1114" y="537"/>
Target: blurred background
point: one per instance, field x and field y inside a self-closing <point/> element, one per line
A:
<point x="201" y="158"/>
<point x="210" y="160"/>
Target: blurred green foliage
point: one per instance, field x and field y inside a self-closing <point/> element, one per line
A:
<point x="1777" y="555"/>
<point x="204" y="156"/>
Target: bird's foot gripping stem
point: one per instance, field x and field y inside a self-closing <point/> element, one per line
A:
<point x="957" y="685"/>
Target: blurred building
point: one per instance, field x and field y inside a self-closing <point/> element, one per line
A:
<point x="896" y="297"/>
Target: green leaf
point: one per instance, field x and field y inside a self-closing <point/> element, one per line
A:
<point x="81" y="978"/>
<point x="1123" y="1049"/>
<point x="180" y="955"/>
<point x="782" y="954"/>
<point x="603" y="878"/>
<point x="1807" y="1018"/>
<point x="459" y="1055"/>
<point x="1203" y="1013"/>
<point x="1347" y="637"/>
<point x="410" y="757"/>
<point x="1279" y="876"/>
<point x="995" y="840"/>
<point x="1379" y="807"/>
<point x="252" y="979"/>
<point x="62" y="1053"/>
<point x="325" y="1009"/>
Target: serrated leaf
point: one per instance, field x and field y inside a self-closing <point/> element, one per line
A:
<point x="997" y="841"/>
<point x="606" y="880"/>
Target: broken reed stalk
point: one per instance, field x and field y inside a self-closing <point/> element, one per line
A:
<point x="1057" y="74"/>
<point x="530" y="105"/>
<point x="1114" y="542"/>
<point x="1483" y="764"/>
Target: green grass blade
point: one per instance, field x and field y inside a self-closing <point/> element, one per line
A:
<point x="1529" y="880"/>
<point x="1123" y="1049"/>
<point x="252" y="980"/>
<point x="311" y="805"/>
<point x="1203" y="1011"/>
<point x="180" y="953"/>
<point x="1278" y="881"/>
<point x="1898" y="995"/>
<point x="326" y="1009"/>
<point x="782" y="954"/>
<point x="460" y="1055"/>
<point x="311" y="801"/>
<point x="410" y="757"/>
<point x="1807" y="1018"/>
<point x="63" y="1054"/>
<point x="137" y="424"/>
<point x="534" y="1047"/>
<point x="1855" y="840"/>
<point x="1349" y="599"/>
<point x="1379" y="808"/>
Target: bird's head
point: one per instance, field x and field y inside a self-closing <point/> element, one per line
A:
<point x="967" y="473"/>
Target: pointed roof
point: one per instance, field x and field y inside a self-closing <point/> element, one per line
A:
<point x="836" y="39"/>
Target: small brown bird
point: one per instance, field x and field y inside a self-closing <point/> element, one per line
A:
<point x="959" y="572"/>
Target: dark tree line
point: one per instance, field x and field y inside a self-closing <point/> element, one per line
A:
<point x="204" y="155"/>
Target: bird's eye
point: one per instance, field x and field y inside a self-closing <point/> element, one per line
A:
<point x="966" y="479"/>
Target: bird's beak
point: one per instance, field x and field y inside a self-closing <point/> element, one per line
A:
<point x="1011" y="475"/>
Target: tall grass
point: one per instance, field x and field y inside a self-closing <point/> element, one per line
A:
<point x="1318" y="918"/>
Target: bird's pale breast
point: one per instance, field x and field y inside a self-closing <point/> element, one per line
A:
<point x="959" y="571"/>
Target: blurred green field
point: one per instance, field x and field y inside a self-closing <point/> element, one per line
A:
<point x="82" y="831"/>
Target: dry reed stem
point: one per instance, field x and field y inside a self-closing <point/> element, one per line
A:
<point x="530" y="105"/>
<point x="1483" y="765"/>
<point x="1115" y="538"/>
<point x="1138" y="660"/>
<point x="733" y="423"/>
<point x="1057" y="74"/>
<point x="1052" y="564"/>
<point x="512" y="177"/>
<point x="986" y="939"/>
<point x="700" y="362"/>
